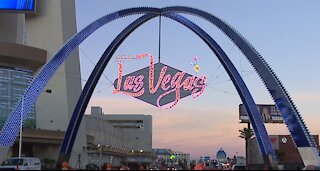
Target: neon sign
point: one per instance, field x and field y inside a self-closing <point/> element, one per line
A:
<point x="159" y="84"/>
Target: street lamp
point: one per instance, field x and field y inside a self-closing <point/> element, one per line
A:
<point x="100" y="156"/>
<point x="140" y="160"/>
<point x="21" y="122"/>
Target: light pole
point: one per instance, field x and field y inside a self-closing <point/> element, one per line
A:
<point x="21" y="122"/>
<point x="140" y="161"/>
<point x="100" y="156"/>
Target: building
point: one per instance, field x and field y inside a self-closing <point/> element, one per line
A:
<point x="106" y="144"/>
<point x="221" y="156"/>
<point x="169" y="158"/>
<point x="27" y="42"/>
<point x="287" y="154"/>
<point x="121" y="139"/>
<point x="163" y="157"/>
<point x="138" y="128"/>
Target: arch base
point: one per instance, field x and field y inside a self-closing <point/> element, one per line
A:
<point x="63" y="157"/>
<point x="309" y="155"/>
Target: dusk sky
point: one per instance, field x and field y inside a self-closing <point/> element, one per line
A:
<point x="286" y="33"/>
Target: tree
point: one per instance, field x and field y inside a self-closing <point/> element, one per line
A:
<point x="246" y="133"/>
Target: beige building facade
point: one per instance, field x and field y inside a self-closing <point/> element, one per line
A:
<point x="27" y="42"/>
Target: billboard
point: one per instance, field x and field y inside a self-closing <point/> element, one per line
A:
<point x="17" y="5"/>
<point x="269" y="113"/>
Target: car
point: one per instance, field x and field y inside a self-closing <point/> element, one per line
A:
<point x="22" y="163"/>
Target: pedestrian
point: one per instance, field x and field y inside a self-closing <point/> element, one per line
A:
<point x="123" y="167"/>
<point x="141" y="167"/>
<point x="199" y="166"/>
<point x="108" y="166"/>
<point x="65" y="166"/>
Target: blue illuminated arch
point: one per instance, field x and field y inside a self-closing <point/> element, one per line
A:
<point x="253" y="113"/>
<point x="291" y="116"/>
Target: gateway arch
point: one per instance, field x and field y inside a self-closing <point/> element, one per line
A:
<point x="298" y="129"/>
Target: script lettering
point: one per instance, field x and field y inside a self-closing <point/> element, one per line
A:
<point x="166" y="83"/>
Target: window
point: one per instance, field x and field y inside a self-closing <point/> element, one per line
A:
<point x="13" y="83"/>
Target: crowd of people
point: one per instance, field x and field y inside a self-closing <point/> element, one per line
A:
<point x="108" y="166"/>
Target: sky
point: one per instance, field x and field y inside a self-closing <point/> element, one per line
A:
<point x="285" y="33"/>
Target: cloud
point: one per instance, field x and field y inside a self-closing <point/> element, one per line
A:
<point x="306" y="99"/>
<point x="201" y="129"/>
